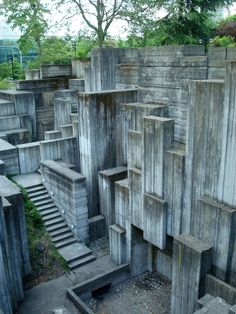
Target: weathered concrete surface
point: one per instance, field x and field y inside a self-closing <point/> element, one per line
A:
<point x="62" y="111"/>
<point x="48" y="296"/>
<point x="106" y="181"/>
<point x="29" y="157"/>
<point x="14" y="253"/>
<point x="98" y="132"/>
<point x="192" y="260"/>
<point x="64" y="149"/>
<point x="53" y="70"/>
<point x="8" y="154"/>
<point x="68" y="190"/>
<point x="117" y="244"/>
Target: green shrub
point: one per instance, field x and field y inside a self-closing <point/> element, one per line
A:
<point x="224" y="41"/>
<point x="4" y="84"/>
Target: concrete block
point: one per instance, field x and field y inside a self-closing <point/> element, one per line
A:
<point x="136" y="198"/>
<point x="106" y="182"/>
<point x="52" y="135"/>
<point x="29" y="157"/>
<point x="158" y="137"/>
<point x="155" y="220"/>
<point x="8" y="154"/>
<point x="117" y="244"/>
<point x="192" y="260"/>
<point x="97" y="227"/>
<point x="62" y="111"/>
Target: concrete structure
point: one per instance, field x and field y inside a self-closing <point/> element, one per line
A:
<point x="14" y="254"/>
<point x="141" y="148"/>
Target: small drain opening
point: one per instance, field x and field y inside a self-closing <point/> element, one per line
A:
<point x="99" y="292"/>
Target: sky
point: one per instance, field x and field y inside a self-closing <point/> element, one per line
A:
<point x="59" y="25"/>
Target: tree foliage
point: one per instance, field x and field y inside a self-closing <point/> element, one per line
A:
<point x="29" y="17"/>
<point x="97" y="14"/>
<point x="185" y="21"/>
<point x="227" y="27"/>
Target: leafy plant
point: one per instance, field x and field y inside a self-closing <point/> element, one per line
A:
<point x="224" y="41"/>
<point x="4" y="84"/>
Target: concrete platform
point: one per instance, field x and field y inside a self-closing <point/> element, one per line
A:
<point x="51" y="295"/>
<point x="28" y="180"/>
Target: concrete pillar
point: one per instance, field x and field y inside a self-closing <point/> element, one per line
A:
<point x="117" y="244"/>
<point x="122" y="212"/>
<point x="139" y="252"/>
<point x="136" y="198"/>
<point x="62" y="111"/>
<point x="98" y="136"/>
<point x="158" y="137"/>
<point x="155" y="214"/>
<point x="134" y="150"/>
<point x="204" y="148"/>
<point x="5" y="293"/>
<point x="227" y="180"/>
<point x="106" y="181"/>
<point x="192" y="260"/>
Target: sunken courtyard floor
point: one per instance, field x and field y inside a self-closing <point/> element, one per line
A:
<point x="149" y="293"/>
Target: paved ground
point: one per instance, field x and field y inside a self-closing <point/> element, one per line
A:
<point x="29" y="179"/>
<point x="149" y="293"/>
<point x="49" y="296"/>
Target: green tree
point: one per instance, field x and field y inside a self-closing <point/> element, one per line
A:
<point x="185" y="21"/>
<point x="29" y="17"/>
<point x="53" y="51"/>
<point x="97" y="14"/>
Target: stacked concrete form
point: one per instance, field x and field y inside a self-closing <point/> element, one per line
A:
<point x="153" y="133"/>
<point x="14" y="253"/>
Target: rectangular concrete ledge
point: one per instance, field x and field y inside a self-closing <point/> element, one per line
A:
<point x="65" y="172"/>
<point x="83" y="290"/>
<point x="214" y="204"/>
<point x="193" y="243"/>
<point x="112" y="91"/>
<point x="7" y="188"/>
<point x="113" y="171"/>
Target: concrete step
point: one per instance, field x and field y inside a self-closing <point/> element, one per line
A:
<point x="43" y="202"/>
<point x="50" y="211"/>
<point x="35" y="188"/>
<point x="40" y="198"/>
<point x="55" y="221"/>
<point x="42" y="208"/>
<point x="74" y="252"/>
<point x="56" y="227"/>
<point x="38" y="193"/>
<point x="51" y="216"/>
<point x="65" y="243"/>
<point x="82" y="261"/>
<point x="59" y="232"/>
<point x="62" y="237"/>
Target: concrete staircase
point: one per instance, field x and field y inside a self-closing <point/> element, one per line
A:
<point x="76" y="254"/>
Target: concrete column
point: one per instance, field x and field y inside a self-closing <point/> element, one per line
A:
<point x="62" y="111"/>
<point x="136" y="198"/>
<point x="204" y="148"/>
<point x="227" y="178"/>
<point x="5" y="293"/>
<point x="106" y="182"/>
<point x="155" y="214"/>
<point x="158" y="137"/>
<point x="99" y="135"/>
<point x="117" y="244"/>
<point x="192" y="260"/>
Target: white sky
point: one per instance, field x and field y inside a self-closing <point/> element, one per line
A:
<point x="61" y="27"/>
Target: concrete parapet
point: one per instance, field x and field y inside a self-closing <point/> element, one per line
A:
<point x="8" y="154"/>
<point x="68" y="190"/>
<point x="97" y="227"/>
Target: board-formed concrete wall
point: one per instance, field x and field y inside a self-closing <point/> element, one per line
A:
<point x="68" y="190"/>
<point x="14" y="253"/>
